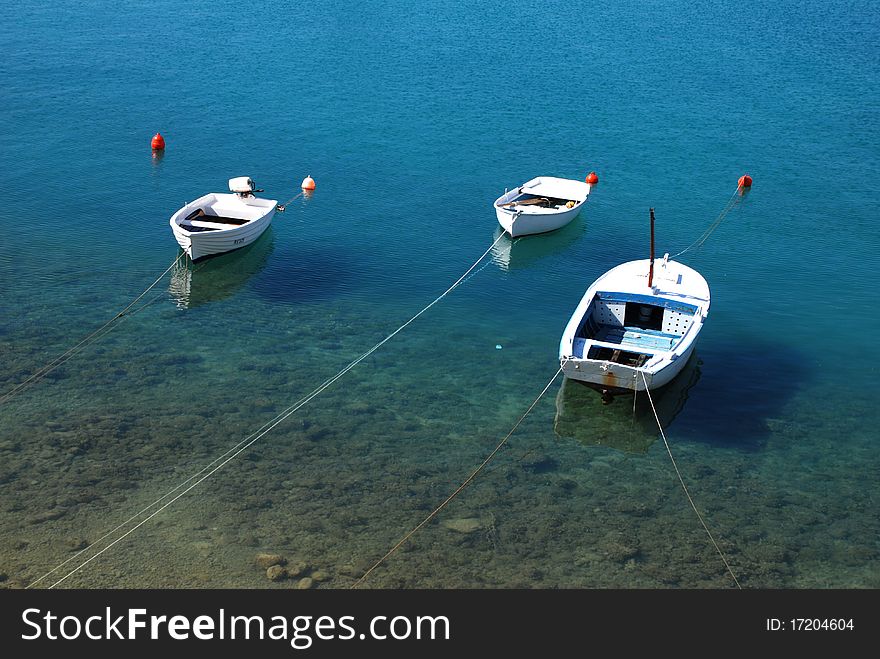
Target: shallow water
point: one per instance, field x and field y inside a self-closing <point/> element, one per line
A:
<point x="411" y="127"/>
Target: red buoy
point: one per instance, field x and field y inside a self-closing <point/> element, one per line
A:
<point x="308" y="183"/>
<point x="158" y="142"/>
<point x="592" y="178"/>
<point x="745" y="181"/>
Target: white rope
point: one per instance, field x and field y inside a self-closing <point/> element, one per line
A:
<point x="137" y="514"/>
<point x="461" y="487"/>
<point x="248" y="441"/>
<point x="105" y="329"/>
<point x="715" y="224"/>
<point x="476" y="272"/>
<point x="282" y="207"/>
<point x="684" y="487"/>
<point x="633" y="420"/>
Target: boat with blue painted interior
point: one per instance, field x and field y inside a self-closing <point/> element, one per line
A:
<point x="635" y="328"/>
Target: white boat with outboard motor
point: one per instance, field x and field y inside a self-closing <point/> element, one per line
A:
<point x="220" y="222"/>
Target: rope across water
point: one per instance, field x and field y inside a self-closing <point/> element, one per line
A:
<point x="467" y="481"/>
<point x="221" y="461"/>
<point x="684" y="487"/>
<point x="280" y="207"/>
<point x="715" y="224"/>
<point x="189" y="484"/>
<point x="106" y="328"/>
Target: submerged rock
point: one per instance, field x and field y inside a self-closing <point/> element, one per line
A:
<point x="249" y="540"/>
<point x="48" y="516"/>
<point x="305" y="584"/>
<point x="354" y="571"/>
<point x="464" y="524"/>
<point x="12" y="584"/>
<point x="298" y="569"/>
<point x="361" y="408"/>
<point x="320" y="575"/>
<point x="276" y="573"/>
<point x="317" y="434"/>
<point x="539" y="464"/>
<point x="268" y="560"/>
<point x="621" y="552"/>
<point x="75" y="544"/>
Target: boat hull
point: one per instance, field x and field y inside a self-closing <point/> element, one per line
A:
<point x="257" y="215"/>
<point x="524" y="223"/>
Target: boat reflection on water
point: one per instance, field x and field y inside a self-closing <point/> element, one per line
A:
<point x="218" y="277"/>
<point x="514" y="253"/>
<point x="581" y="415"/>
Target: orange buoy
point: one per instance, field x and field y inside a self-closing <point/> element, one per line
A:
<point x="308" y="183"/>
<point x="592" y="178"/>
<point x="745" y="181"/>
<point x="158" y="142"/>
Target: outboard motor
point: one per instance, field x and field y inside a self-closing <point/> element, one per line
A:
<point x="243" y="186"/>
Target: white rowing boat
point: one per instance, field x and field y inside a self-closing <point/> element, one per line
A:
<point x="220" y="222"/>
<point x="635" y="328"/>
<point x="545" y="203"/>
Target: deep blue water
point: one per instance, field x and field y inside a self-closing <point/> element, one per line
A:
<point x="413" y="119"/>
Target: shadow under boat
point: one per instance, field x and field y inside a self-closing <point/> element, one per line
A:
<point x="515" y="253"/>
<point x="581" y="414"/>
<point x="219" y="277"/>
<point x="745" y="393"/>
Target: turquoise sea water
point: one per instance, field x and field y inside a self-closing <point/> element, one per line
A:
<point x="413" y="119"/>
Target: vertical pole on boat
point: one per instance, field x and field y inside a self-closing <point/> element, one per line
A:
<point x="651" y="270"/>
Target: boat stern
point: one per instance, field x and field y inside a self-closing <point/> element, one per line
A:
<point x="606" y="376"/>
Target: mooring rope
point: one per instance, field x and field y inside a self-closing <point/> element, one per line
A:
<point x="106" y="328"/>
<point x="247" y="442"/>
<point x="684" y="487"/>
<point x="281" y="207"/>
<point x="467" y="481"/>
<point x="476" y="272"/>
<point x="715" y="224"/>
